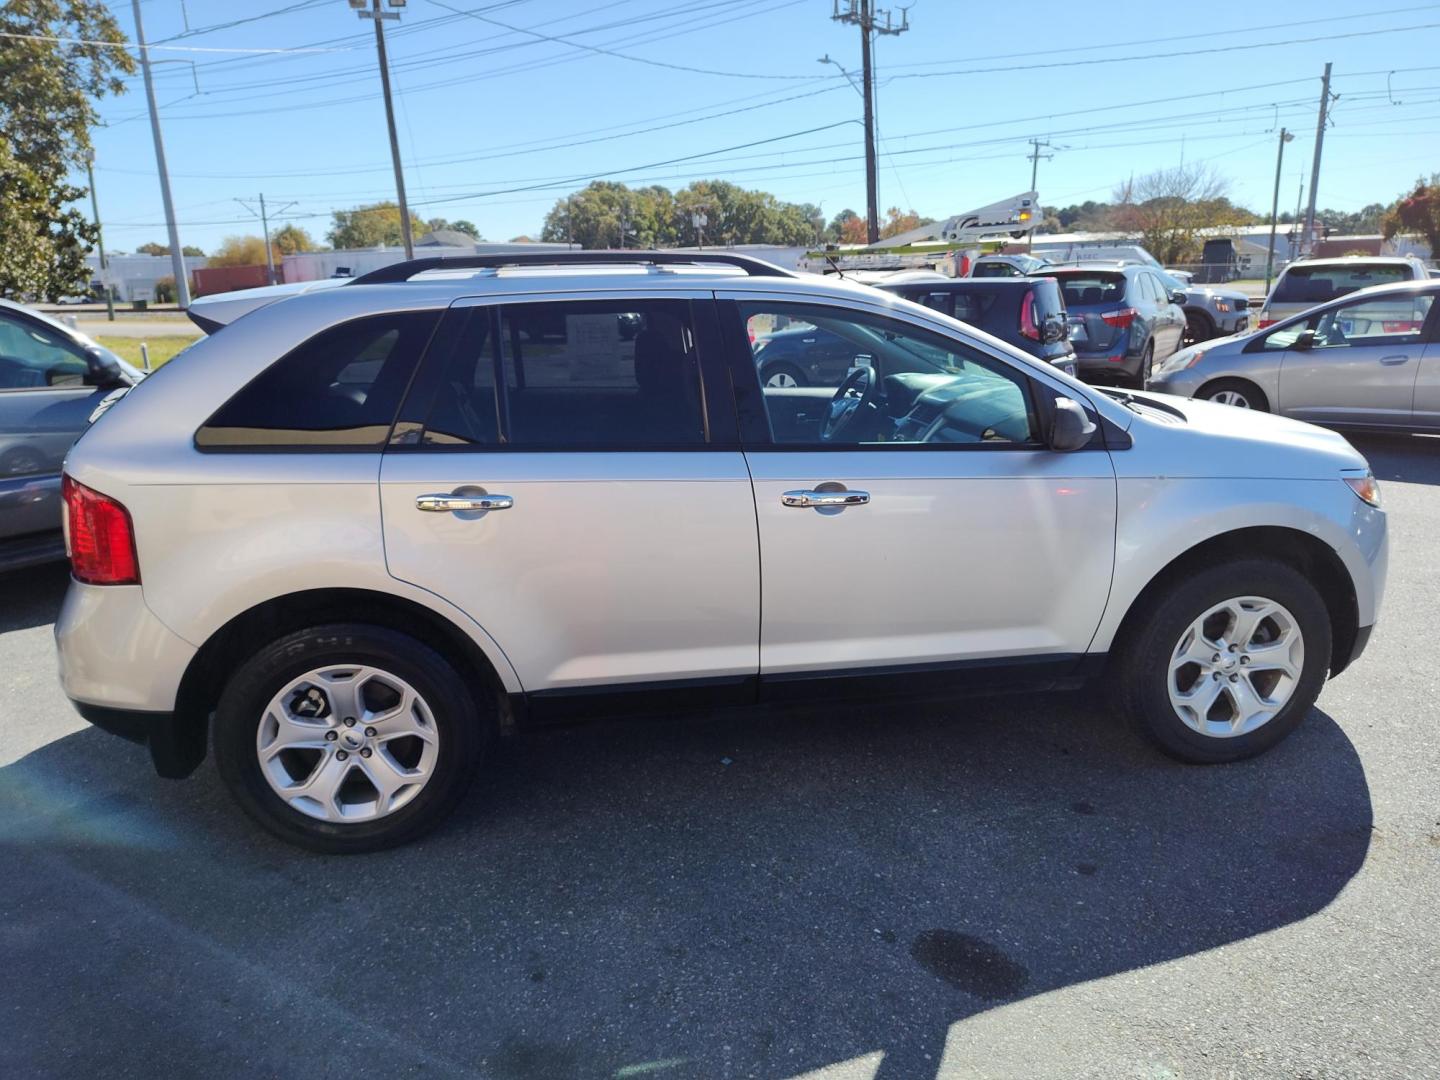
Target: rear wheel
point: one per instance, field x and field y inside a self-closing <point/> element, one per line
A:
<point x="1227" y="662"/>
<point x="1235" y="392"/>
<point x="348" y="738"/>
<point x="1147" y="366"/>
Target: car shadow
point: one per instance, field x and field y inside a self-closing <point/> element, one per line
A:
<point x="32" y="597"/>
<point x="1408" y="459"/>
<point x="742" y="893"/>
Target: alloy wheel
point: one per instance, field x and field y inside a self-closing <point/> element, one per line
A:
<point x="1235" y="667"/>
<point x="347" y="743"/>
<point x="1231" y="397"/>
<point x="781" y="379"/>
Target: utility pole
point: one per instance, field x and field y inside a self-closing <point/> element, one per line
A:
<point x="177" y="258"/>
<point x="864" y="14"/>
<point x="99" y="235"/>
<point x="1285" y="137"/>
<point x="1035" y="156"/>
<point x="366" y="11"/>
<point x="265" y="228"/>
<point x="1315" y="165"/>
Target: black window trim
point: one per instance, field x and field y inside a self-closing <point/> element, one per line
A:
<point x="755" y="434"/>
<point x="714" y="392"/>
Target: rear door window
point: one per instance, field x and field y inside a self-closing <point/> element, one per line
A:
<point x="338" y="391"/>
<point x="597" y="375"/>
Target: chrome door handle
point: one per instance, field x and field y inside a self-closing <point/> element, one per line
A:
<point x="824" y="498"/>
<point x="443" y="503"/>
<point x="1393" y="359"/>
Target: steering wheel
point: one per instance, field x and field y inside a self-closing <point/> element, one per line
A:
<point x="854" y="399"/>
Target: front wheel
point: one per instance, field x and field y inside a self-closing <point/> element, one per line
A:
<point x="348" y="738"/>
<point x="1225" y="663"/>
<point x="1236" y="393"/>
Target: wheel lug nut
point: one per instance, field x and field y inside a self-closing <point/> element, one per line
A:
<point x="341" y="754"/>
<point x="331" y="736"/>
<point x="349" y="721"/>
<point x="1217" y="676"/>
<point x="1234" y="678"/>
<point x="369" y="732"/>
<point x="365" y="752"/>
<point x="1244" y="659"/>
<point x="1215" y="659"/>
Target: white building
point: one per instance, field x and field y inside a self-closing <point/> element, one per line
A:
<point x="133" y="277"/>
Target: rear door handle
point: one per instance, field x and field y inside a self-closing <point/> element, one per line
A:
<point x="1394" y="359"/>
<point x="443" y="503"/>
<point x="802" y="499"/>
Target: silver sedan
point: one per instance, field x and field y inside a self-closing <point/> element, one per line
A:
<point x="1369" y="359"/>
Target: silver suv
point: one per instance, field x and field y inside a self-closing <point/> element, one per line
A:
<point x="358" y="533"/>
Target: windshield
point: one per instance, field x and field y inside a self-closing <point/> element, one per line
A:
<point x="1316" y="284"/>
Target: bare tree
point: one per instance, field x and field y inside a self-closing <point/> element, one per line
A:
<point x="1168" y="208"/>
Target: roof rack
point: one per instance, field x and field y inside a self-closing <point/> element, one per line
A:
<point x="404" y="271"/>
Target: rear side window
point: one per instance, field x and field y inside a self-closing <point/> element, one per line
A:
<point x="602" y="375"/>
<point x="337" y="391"/>
<point x="1316" y="284"/>
<point x="1088" y="290"/>
<point x="994" y="269"/>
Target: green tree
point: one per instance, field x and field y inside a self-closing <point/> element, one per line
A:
<point x="847" y="227"/>
<point x="371" y="226"/>
<point x="291" y="239"/>
<point x="435" y="224"/>
<point x="153" y="248"/>
<point x="48" y="90"/>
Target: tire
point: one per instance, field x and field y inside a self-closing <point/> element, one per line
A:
<point x="436" y="743"/>
<point x="1198" y="327"/>
<point x="1151" y="663"/>
<point x="781" y="374"/>
<point x="1147" y="367"/>
<point x="1234" y="392"/>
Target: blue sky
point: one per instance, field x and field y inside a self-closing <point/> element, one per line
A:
<point x="495" y="124"/>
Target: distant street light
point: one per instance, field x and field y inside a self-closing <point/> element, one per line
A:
<point x="1285" y="137"/>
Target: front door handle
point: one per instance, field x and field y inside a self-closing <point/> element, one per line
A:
<point x="443" y="503"/>
<point x="1400" y="359"/>
<point x="804" y="499"/>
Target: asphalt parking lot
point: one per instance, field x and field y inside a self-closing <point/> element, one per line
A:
<point x="1004" y="887"/>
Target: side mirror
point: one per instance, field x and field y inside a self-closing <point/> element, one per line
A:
<point x="1070" y="428"/>
<point x="1177" y="297"/>
<point x="1305" y="342"/>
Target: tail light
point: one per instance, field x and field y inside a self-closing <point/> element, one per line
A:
<point x="1119" y="319"/>
<point x="98" y="536"/>
<point x="1028" y="326"/>
<point x="1262" y="322"/>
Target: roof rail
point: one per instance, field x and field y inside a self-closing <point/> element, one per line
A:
<point x="404" y="271"/>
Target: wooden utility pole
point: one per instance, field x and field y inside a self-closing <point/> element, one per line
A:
<point x="1309" y="234"/>
<point x="864" y="14"/>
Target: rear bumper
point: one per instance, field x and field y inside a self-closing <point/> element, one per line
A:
<point x="121" y="667"/>
<point x="1101" y="364"/>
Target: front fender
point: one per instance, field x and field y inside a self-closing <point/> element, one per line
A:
<point x="1160" y="519"/>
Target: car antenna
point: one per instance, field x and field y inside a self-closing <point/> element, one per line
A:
<point x="829" y="254"/>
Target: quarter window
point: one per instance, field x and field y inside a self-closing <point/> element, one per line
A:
<point x="1390" y="320"/>
<point x="337" y="391"/>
